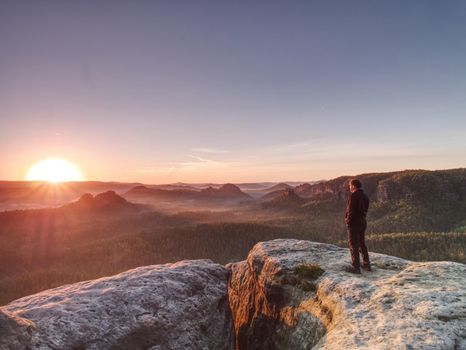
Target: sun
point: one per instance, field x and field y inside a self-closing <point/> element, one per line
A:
<point x="54" y="170"/>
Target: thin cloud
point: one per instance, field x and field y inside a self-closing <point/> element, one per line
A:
<point x="210" y="150"/>
<point x="320" y="150"/>
<point x="203" y="160"/>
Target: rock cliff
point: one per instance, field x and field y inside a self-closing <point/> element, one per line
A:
<point x="423" y="186"/>
<point x="172" y="306"/>
<point x="292" y="294"/>
<point x="287" y="294"/>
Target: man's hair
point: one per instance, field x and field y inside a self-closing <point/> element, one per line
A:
<point x="356" y="183"/>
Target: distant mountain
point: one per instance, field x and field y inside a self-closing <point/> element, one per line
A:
<point x="254" y="186"/>
<point x="262" y="193"/>
<point x="279" y="186"/>
<point x="144" y="192"/>
<point x="409" y="185"/>
<point x="401" y="201"/>
<point x="106" y="205"/>
<point x="304" y="190"/>
<point x="282" y="188"/>
<point x="226" y="191"/>
<point x="40" y="194"/>
<point x="106" y="201"/>
<point x="175" y="187"/>
<point x="287" y="200"/>
<point x="274" y="194"/>
<point x="195" y="186"/>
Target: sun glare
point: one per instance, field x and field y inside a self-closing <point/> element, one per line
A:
<point x="54" y="170"/>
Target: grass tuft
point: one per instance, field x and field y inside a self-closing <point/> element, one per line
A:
<point x="309" y="271"/>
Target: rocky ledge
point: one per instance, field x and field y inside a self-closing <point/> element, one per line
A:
<point x="288" y="294"/>
<point x="292" y="294"/>
<point x="171" y="306"/>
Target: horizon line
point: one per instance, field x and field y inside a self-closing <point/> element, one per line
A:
<point x="242" y="182"/>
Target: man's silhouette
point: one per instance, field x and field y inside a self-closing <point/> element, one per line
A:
<point x="355" y="218"/>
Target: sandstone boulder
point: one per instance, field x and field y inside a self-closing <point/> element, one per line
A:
<point x="171" y="306"/>
<point x="292" y="294"/>
<point x="287" y="294"/>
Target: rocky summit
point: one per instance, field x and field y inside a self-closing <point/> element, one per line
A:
<point x="171" y="306"/>
<point x="292" y="294"/>
<point x="287" y="294"/>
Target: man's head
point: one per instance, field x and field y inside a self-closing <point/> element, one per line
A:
<point x="354" y="185"/>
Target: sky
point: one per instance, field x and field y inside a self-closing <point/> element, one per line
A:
<point x="232" y="91"/>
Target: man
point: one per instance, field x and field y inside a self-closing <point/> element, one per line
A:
<point x="355" y="218"/>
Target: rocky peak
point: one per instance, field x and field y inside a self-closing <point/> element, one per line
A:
<point x="86" y="199"/>
<point x="288" y="199"/>
<point x="226" y="190"/>
<point x="279" y="186"/>
<point x="304" y="188"/>
<point x="110" y="197"/>
<point x="229" y="188"/>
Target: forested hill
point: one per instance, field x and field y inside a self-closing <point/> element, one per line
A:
<point x="413" y="185"/>
<point x="404" y="201"/>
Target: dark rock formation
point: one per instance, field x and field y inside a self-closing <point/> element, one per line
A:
<point x="107" y="201"/>
<point x="304" y="190"/>
<point x="288" y="199"/>
<point x="411" y="185"/>
<point x="110" y="197"/>
<point x="225" y="191"/>
<point x="277" y="187"/>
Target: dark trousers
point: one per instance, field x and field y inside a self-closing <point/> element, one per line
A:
<point x="357" y="244"/>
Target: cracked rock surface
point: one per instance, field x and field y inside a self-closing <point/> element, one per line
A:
<point x="287" y="294"/>
<point x="171" y="306"/>
<point x="399" y="305"/>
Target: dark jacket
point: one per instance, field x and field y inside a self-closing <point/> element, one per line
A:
<point x="356" y="209"/>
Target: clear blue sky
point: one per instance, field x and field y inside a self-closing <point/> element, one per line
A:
<point x="165" y="91"/>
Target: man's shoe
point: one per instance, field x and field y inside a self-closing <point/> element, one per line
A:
<point x="352" y="269"/>
<point x="366" y="267"/>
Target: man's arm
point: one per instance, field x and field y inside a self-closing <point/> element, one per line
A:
<point x="352" y="209"/>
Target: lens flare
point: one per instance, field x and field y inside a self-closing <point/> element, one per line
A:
<point x="54" y="170"/>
